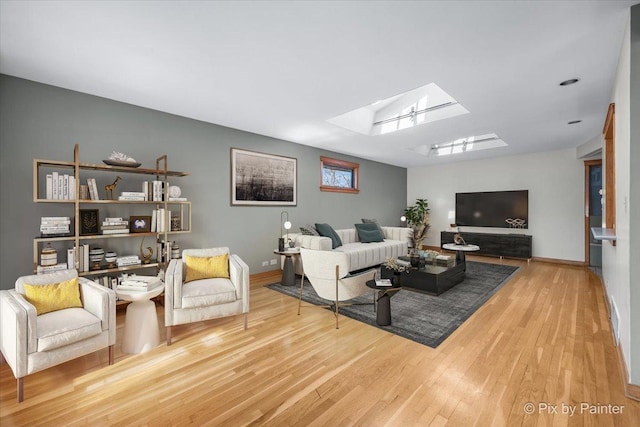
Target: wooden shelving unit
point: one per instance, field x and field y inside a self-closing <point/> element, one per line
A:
<point x="161" y="173"/>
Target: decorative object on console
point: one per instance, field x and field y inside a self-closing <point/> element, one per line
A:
<point x="120" y="159"/>
<point x="89" y="222"/>
<point x="95" y="257"/>
<point x="48" y="256"/>
<point x="174" y="191"/>
<point x="146" y="256"/>
<point x="109" y="188"/>
<point x="262" y="179"/>
<point x="175" y="251"/>
<point x="418" y="218"/>
<point x="458" y="240"/>
<point x="175" y="223"/>
<point x="140" y="224"/>
<point x="110" y="257"/>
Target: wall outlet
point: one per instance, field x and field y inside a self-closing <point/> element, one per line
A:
<point x="265" y="263"/>
<point x="274" y="261"/>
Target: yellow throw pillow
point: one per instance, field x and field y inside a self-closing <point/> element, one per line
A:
<point x="58" y="296"/>
<point x="206" y="267"/>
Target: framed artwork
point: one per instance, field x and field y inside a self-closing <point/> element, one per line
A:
<point x="140" y="224"/>
<point x="263" y="179"/>
<point x="89" y="222"/>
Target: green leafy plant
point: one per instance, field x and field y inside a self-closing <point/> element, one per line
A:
<point x="418" y="219"/>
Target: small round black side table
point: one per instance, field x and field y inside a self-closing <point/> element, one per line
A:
<point x="383" y="301"/>
<point x="288" y="272"/>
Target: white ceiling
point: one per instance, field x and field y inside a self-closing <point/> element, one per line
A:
<point x="283" y="68"/>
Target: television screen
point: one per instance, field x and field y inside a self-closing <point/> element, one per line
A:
<point x="505" y="209"/>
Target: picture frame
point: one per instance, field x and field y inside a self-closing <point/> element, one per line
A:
<point x="140" y="224"/>
<point x="89" y="222"/>
<point x="261" y="179"/>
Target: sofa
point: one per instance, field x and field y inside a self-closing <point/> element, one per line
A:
<point x="361" y="255"/>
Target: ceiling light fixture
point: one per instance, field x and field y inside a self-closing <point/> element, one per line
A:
<point x="569" y="82"/>
<point x="573" y="122"/>
<point x="413" y="113"/>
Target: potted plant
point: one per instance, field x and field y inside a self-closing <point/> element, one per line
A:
<point x="418" y="218"/>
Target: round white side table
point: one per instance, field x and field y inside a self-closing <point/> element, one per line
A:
<point x="460" y="250"/>
<point x="141" y="332"/>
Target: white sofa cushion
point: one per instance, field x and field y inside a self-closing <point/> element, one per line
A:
<point x="364" y="255"/>
<point x="64" y="327"/>
<point x="206" y="292"/>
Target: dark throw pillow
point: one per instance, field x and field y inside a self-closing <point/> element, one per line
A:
<point x="327" y="231"/>
<point x="373" y="221"/>
<point x="369" y="233"/>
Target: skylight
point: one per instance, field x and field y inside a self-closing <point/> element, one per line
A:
<point x="425" y="104"/>
<point x="462" y="145"/>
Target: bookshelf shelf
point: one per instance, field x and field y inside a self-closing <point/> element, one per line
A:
<point x="78" y="171"/>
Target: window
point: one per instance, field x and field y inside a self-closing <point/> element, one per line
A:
<point x="338" y="176"/>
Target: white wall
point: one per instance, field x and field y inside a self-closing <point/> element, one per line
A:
<point x="555" y="181"/>
<point x="616" y="259"/>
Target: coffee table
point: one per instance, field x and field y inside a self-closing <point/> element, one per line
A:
<point x="431" y="279"/>
<point x="383" y="302"/>
<point x="460" y="250"/>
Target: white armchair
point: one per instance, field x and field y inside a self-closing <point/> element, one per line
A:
<point x="31" y="343"/>
<point x="205" y="299"/>
<point x="328" y="273"/>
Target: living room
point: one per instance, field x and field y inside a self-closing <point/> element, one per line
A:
<point x="42" y="120"/>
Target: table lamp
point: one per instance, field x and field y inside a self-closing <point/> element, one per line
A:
<point x="284" y="222"/>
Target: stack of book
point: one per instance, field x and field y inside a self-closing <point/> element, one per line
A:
<point x="54" y="226"/>
<point x="123" y="261"/>
<point x="139" y="283"/>
<point x="132" y="195"/>
<point x="41" y="269"/>
<point x="445" y="260"/>
<point x="115" y="226"/>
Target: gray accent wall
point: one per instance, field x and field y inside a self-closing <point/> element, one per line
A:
<point x="44" y="122"/>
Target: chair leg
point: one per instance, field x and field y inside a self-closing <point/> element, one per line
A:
<point x="169" y="335"/>
<point x="112" y="352"/>
<point x="20" y="390"/>
<point x="246" y="320"/>
<point x="301" y="286"/>
<point x="337" y="278"/>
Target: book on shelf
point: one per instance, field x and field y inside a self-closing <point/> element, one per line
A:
<point x="51" y="268"/>
<point x="154" y="221"/>
<point x="49" y="187"/>
<point x="72" y="187"/>
<point x="128" y="263"/>
<point x="132" y="193"/>
<point x="85" y="254"/>
<point x="65" y="186"/>
<point x="132" y="198"/>
<point x="71" y="258"/>
<point x="60" y="185"/>
<point x="55" y="218"/>
<point x="177" y="199"/>
<point x="54" y="185"/>
<point x="116" y="231"/>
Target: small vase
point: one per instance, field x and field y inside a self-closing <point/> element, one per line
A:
<point x="395" y="280"/>
<point x="415" y="261"/>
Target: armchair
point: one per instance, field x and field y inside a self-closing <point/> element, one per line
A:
<point x="31" y="343"/>
<point x="328" y="273"/>
<point x="207" y="298"/>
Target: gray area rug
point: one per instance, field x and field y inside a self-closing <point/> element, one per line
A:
<point x="420" y="317"/>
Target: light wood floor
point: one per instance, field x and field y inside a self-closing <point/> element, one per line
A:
<point x="543" y="338"/>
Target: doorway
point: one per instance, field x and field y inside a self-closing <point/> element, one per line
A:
<point x="593" y="211"/>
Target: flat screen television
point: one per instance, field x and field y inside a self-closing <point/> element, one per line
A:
<point x="505" y="209"/>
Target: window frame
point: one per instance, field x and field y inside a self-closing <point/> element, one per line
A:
<point x="341" y="164"/>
